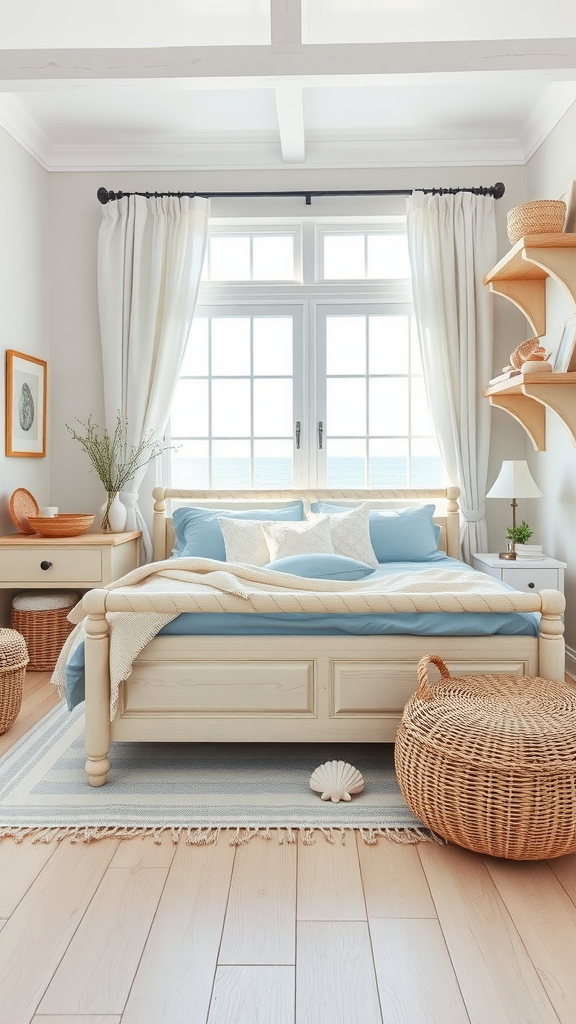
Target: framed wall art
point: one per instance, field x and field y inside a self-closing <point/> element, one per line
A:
<point x="565" y="358"/>
<point x="25" y="405"/>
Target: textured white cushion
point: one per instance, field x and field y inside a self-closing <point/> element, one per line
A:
<point x="44" y="602"/>
<point x="351" y="534"/>
<point x="304" y="538"/>
<point x="244" y="541"/>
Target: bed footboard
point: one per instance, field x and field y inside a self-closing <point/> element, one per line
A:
<point x="287" y="689"/>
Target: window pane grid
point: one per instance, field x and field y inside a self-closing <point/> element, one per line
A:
<point x="363" y="255"/>
<point x="236" y="401"/>
<point x="382" y="457"/>
<point x="258" y="398"/>
<point x="233" y="258"/>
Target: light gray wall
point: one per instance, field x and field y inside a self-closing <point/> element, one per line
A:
<point x="550" y="171"/>
<point x="75" y="216"/>
<point x="24" y="307"/>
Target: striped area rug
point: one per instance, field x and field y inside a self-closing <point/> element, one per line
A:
<point x="195" y="789"/>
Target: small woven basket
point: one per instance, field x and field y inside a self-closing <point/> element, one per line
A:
<point x="489" y="762"/>
<point x="42" y="621"/>
<point x="13" y="661"/>
<point x="540" y="217"/>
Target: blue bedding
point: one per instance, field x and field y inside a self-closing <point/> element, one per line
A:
<point x="302" y="624"/>
<point x="375" y="624"/>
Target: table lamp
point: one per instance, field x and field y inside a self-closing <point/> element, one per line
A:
<point x="514" y="481"/>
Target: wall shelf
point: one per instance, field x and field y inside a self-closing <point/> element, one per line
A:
<point x="526" y="398"/>
<point x="521" y="275"/>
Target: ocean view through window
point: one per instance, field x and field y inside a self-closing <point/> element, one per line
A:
<point x="303" y="366"/>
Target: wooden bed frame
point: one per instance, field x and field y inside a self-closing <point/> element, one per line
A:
<point x="291" y="689"/>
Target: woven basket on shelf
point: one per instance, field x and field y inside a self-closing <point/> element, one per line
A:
<point x="489" y="762"/>
<point x="13" y="661"/>
<point x="41" y="619"/>
<point x="540" y="217"/>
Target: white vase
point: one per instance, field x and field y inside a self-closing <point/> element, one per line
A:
<point x="117" y="513"/>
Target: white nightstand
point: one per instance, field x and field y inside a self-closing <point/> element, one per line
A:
<point x="530" y="576"/>
<point x="81" y="563"/>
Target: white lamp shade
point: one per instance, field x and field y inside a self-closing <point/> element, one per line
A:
<point x="514" y="481"/>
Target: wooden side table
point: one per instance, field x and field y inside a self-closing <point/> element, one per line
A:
<point x="527" y="575"/>
<point x="80" y="563"/>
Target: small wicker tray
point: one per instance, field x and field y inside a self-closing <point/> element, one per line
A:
<point x="22" y="504"/>
<point x="65" y="525"/>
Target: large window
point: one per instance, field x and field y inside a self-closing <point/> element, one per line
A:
<point x="302" y="368"/>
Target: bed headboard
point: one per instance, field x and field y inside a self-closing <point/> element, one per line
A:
<point x="445" y="500"/>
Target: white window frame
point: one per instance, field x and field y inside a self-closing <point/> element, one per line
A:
<point x="251" y="231"/>
<point x="294" y="310"/>
<point x="310" y="297"/>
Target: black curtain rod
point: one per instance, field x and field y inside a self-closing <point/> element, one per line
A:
<point x="496" y="191"/>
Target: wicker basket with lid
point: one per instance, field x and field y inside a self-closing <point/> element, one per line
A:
<point x="13" y="661"/>
<point x="489" y="762"/>
<point x="42" y="619"/>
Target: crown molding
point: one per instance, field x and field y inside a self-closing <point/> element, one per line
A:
<point x="266" y="154"/>
<point x="555" y="101"/>
<point x="25" y="130"/>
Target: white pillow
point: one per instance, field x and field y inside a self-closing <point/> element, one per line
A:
<point x="303" y="538"/>
<point x="351" y="534"/>
<point x="244" y="541"/>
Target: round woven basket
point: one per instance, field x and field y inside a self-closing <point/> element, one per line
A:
<point x="489" y="762"/>
<point x="42" y="621"/>
<point x="13" y="661"/>
<point x="540" y="217"/>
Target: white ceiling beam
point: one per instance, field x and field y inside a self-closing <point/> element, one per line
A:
<point x="286" y="25"/>
<point x="254" y="61"/>
<point x="342" y="81"/>
<point x="290" y="109"/>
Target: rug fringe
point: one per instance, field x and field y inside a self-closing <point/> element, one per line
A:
<point x="208" y="835"/>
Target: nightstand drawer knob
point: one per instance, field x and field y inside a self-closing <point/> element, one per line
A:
<point x="45" y="565"/>
<point x="531" y="585"/>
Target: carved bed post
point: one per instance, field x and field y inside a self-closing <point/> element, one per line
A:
<point x="97" y="736"/>
<point x="159" y="525"/>
<point x="453" y="547"/>
<point x="551" y="641"/>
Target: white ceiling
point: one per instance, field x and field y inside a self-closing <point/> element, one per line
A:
<point x="123" y="84"/>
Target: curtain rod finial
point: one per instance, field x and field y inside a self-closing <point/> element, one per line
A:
<point x="104" y="196"/>
<point x="498" y="190"/>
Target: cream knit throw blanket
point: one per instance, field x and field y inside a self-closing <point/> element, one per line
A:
<point x="235" y="587"/>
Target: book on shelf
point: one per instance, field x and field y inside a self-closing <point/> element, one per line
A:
<point x="504" y="376"/>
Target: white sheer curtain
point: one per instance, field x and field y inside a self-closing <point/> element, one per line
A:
<point x="452" y="244"/>
<point x="150" y="256"/>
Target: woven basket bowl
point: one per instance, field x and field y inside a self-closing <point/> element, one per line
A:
<point x="540" y="217"/>
<point x="65" y="525"/>
<point x="489" y="762"/>
<point x="13" y="661"/>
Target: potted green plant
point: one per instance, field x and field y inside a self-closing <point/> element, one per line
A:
<point x="115" y="461"/>
<point x="519" y="534"/>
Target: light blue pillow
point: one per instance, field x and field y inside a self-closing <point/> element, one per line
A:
<point x="408" y="536"/>
<point x="322" y="567"/>
<point x="198" y="532"/>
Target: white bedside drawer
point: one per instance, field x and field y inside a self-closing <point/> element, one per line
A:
<point x="66" y="565"/>
<point x="531" y="580"/>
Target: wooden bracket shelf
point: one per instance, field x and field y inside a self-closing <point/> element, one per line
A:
<point x="521" y="275"/>
<point x="527" y="397"/>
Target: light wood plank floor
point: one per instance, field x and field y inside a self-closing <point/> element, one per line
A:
<point x="135" y="933"/>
